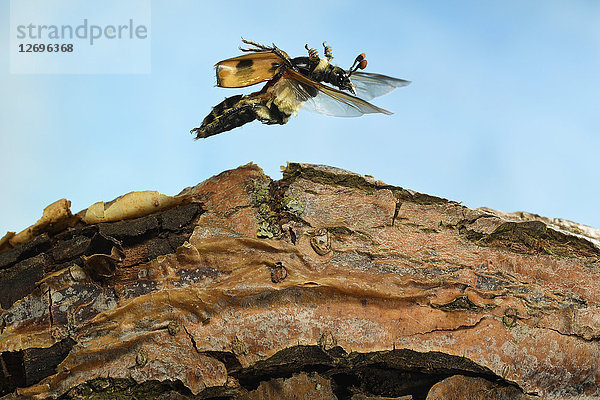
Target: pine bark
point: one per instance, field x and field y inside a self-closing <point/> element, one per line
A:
<point x="322" y="285"/>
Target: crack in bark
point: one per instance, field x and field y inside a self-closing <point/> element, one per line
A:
<point x="50" y="308"/>
<point x="578" y="336"/>
<point x="456" y="328"/>
<point x="396" y="211"/>
<point x="191" y="339"/>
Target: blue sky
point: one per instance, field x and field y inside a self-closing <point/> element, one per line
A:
<point x="503" y="110"/>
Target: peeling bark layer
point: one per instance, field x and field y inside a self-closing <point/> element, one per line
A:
<point x="325" y="284"/>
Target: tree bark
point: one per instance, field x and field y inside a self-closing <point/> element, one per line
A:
<point x="324" y="284"/>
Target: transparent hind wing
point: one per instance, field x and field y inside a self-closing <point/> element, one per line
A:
<point x="369" y="86"/>
<point x="316" y="97"/>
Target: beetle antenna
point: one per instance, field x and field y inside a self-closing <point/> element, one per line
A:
<point x="359" y="63"/>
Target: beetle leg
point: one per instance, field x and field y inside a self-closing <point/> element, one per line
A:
<point x="281" y="55"/>
<point x="328" y="52"/>
<point x="261" y="47"/>
<point x="312" y="53"/>
<point x="258" y="46"/>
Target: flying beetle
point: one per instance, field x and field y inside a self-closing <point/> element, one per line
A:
<point x="292" y="84"/>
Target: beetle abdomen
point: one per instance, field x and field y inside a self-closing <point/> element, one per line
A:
<point x="229" y="114"/>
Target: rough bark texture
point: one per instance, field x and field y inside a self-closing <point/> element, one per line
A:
<point x="323" y="285"/>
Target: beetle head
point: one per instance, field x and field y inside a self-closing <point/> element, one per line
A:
<point x="342" y="80"/>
